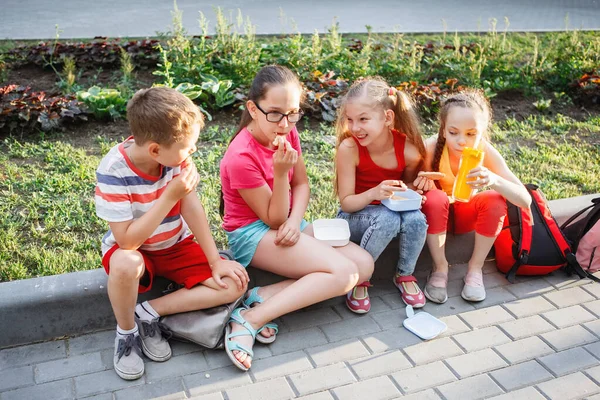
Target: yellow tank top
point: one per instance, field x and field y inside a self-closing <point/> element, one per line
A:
<point x="447" y="182"/>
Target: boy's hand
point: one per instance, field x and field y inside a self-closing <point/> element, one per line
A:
<point x="284" y="158"/>
<point x="184" y="183"/>
<point x="232" y="269"/>
<point x="288" y="233"/>
<point x="386" y="189"/>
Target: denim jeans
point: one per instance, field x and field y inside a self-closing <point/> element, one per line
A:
<point x="375" y="226"/>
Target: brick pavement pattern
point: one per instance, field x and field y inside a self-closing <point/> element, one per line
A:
<point x="536" y="339"/>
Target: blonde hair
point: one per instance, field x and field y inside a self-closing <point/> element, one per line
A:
<point x="470" y="98"/>
<point x="406" y="119"/>
<point x="162" y="115"/>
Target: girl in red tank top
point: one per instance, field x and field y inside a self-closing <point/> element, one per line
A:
<point x="379" y="148"/>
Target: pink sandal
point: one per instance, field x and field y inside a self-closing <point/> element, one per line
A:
<point x="411" y="292"/>
<point x="359" y="305"/>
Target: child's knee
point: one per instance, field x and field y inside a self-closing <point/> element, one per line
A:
<point x="415" y="220"/>
<point x="346" y="273"/>
<point x="495" y="204"/>
<point x="436" y="201"/>
<point x="233" y="291"/>
<point x="126" y="265"/>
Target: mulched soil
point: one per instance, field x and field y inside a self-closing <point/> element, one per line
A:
<point x="512" y="103"/>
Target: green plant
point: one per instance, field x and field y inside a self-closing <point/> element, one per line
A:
<point x="127" y="68"/>
<point x="542" y="105"/>
<point x="67" y="80"/>
<point x="3" y="68"/>
<point x="219" y="90"/>
<point x="104" y="102"/>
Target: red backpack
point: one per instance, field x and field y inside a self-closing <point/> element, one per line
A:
<point x="531" y="243"/>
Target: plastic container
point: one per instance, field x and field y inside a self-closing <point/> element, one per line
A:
<point x="423" y="324"/>
<point x="406" y="200"/>
<point x="334" y="232"/>
<point x="471" y="158"/>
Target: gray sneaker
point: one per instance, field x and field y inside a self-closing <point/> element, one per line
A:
<point x="128" y="357"/>
<point x="154" y="345"/>
<point x="437" y="294"/>
<point x="473" y="293"/>
<point x="474" y="290"/>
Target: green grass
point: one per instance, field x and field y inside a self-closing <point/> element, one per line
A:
<point x="47" y="212"/>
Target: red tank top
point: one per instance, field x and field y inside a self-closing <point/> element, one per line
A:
<point x="369" y="174"/>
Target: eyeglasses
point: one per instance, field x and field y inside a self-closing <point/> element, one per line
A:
<point x="276" y="116"/>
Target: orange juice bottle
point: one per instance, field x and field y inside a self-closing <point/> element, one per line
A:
<point x="470" y="159"/>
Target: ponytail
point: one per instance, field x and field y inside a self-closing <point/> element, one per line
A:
<point x="407" y="120"/>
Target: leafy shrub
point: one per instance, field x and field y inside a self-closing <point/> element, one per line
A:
<point x="587" y="89"/>
<point x="99" y="52"/>
<point x="24" y="110"/>
<point x="104" y="102"/>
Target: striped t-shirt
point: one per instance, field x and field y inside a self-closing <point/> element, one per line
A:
<point x="125" y="193"/>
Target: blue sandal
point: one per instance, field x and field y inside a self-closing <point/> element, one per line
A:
<point x="254" y="297"/>
<point x="230" y="345"/>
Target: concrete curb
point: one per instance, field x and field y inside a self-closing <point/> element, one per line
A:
<point x="44" y="308"/>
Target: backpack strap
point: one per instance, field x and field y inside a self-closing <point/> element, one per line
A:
<point x="522" y="260"/>
<point x="573" y="266"/>
<point x="526" y="225"/>
<point x="578" y="213"/>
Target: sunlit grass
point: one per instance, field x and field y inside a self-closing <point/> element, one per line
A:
<point x="47" y="213"/>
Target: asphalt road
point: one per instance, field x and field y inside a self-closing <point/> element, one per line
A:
<point x="36" y="19"/>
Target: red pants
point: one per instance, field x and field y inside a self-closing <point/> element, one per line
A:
<point x="484" y="213"/>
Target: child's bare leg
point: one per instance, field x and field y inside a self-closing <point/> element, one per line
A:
<point x="267" y="292"/>
<point x="352" y="251"/>
<point x="321" y="271"/>
<point x="206" y="295"/>
<point x="126" y="270"/>
<point x="483" y="245"/>
<point x="437" y="248"/>
<point x="437" y="282"/>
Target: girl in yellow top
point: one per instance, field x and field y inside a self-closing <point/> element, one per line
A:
<point x="464" y="121"/>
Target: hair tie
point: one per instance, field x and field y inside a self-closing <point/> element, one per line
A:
<point x="392" y="92"/>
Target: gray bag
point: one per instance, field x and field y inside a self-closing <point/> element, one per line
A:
<point x="203" y="327"/>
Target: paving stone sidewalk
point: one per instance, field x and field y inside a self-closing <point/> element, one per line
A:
<point x="536" y="339"/>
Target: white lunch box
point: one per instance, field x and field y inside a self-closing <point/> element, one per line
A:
<point x="334" y="232"/>
<point x="406" y="200"/>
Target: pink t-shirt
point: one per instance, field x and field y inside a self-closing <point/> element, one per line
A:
<point x="248" y="164"/>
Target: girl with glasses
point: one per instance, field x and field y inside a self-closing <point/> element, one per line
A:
<point x="265" y="193"/>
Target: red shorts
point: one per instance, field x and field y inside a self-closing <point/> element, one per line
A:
<point x="183" y="263"/>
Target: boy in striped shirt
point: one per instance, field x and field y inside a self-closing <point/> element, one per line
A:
<point x="146" y="191"/>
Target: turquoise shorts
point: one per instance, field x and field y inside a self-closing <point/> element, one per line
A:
<point x="244" y="241"/>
